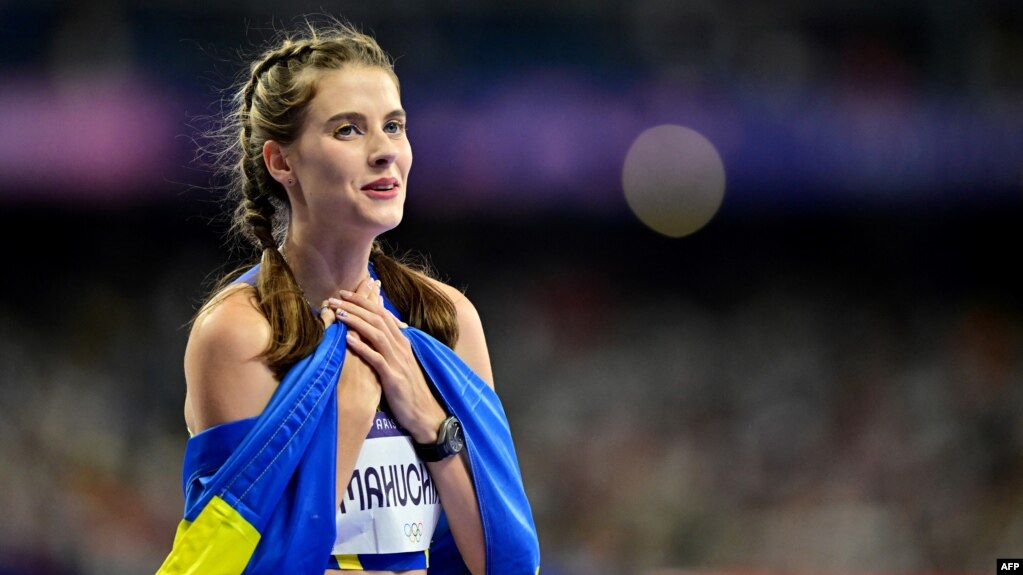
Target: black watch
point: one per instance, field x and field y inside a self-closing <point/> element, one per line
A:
<point x="449" y="442"/>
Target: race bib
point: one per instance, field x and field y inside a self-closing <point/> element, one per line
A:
<point x="391" y="504"/>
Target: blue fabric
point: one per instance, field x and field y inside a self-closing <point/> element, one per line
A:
<point x="280" y="475"/>
<point x="278" y="470"/>
<point x="508" y="527"/>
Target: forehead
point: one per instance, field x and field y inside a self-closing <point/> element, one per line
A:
<point x="359" y="89"/>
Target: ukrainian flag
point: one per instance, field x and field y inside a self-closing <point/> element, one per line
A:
<point x="260" y="492"/>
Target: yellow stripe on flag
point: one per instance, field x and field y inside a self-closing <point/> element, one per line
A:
<point x="219" y="542"/>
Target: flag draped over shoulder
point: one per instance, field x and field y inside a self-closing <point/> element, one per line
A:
<point x="508" y="527"/>
<point x="260" y="492"/>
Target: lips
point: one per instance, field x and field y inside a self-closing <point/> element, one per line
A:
<point x="382" y="185"/>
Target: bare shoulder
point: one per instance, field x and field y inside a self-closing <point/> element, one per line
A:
<point x="225" y="375"/>
<point x="233" y="323"/>
<point x="472" y="344"/>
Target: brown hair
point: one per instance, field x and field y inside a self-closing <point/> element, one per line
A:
<point x="270" y="104"/>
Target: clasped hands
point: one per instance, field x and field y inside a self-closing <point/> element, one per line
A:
<point x="382" y="360"/>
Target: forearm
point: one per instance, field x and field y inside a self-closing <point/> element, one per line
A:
<point x="357" y="403"/>
<point x="454" y="485"/>
<point x="352" y="427"/>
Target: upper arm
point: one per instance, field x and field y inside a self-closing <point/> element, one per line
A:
<point x="472" y="344"/>
<point x="225" y="375"/>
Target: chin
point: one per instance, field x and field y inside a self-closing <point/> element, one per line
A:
<point x="389" y="222"/>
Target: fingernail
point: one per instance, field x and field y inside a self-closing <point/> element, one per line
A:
<point x="334" y="301"/>
<point x="342" y="313"/>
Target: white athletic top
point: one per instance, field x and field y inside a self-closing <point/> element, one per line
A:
<point x="391" y="504"/>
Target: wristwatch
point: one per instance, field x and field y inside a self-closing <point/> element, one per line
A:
<point x="449" y="442"/>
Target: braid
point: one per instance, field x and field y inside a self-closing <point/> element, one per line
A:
<point x="278" y="294"/>
<point x="257" y="208"/>
<point x="294" y="331"/>
<point x="290" y="50"/>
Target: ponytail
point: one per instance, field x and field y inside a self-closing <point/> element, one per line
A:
<point x="424" y="306"/>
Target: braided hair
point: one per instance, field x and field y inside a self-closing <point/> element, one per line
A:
<point x="269" y="105"/>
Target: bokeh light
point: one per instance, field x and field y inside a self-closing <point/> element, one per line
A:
<point x="674" y="180"/>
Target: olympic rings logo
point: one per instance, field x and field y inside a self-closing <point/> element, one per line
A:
<point x="414" y="532"/>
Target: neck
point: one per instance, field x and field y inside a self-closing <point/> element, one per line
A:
<point x="323" y="270"/>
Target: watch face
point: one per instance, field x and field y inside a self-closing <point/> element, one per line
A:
<point x="457" y="440"/>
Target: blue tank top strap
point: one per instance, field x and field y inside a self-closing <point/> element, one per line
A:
<point x="249" y="276"/>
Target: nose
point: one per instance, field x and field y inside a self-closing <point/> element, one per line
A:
<point x="382" y="150"/>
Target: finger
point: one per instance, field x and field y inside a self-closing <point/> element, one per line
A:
<point x="362" y="294"/>
<point x="369" y="325"/>
<point x="368" y="289"/>
<point x="356" y="305"/>
<point x="381" y="332"/>
<point x="327" y="314"/>
<point x="363" y="310"/>
<point x="368" y="354"/>
<point x="389" y="328"/>
<point x="372" y="302"/>
<point x="392" y="321"/>
<point x="376" y="296"/>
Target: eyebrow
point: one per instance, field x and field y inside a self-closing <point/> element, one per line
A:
<point x="357" y="117"/>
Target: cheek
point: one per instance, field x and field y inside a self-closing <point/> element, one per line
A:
<point x="345" y="167"/>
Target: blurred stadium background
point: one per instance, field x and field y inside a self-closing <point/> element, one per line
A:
<point x="825" y="377"/>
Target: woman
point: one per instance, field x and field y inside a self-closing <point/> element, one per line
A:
<point x="328" y="437"/>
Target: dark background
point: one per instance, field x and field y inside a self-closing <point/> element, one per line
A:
<point x="825" y="377"/>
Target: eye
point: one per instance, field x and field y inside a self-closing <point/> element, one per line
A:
<point x="347" y="131"/>
<point x="394" y="127"/>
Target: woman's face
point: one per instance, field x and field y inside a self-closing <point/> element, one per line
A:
<point x="352" y="157"/>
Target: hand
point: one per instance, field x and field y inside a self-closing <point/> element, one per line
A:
<point x="374" y="334"/>
<point x="358" y="387"/>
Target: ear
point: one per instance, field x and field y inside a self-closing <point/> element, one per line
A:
<point x="277" y="163"/>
